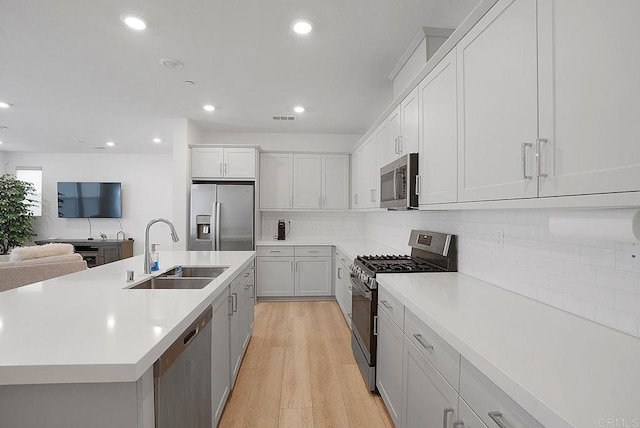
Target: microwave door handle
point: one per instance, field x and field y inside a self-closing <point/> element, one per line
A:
<point x="395" y="185"/>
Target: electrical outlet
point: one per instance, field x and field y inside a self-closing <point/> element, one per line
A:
<point x="630" y="257"/>
<point x="499" y="235"/>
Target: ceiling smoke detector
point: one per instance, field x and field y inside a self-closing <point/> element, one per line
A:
<point x="171" y="63"/>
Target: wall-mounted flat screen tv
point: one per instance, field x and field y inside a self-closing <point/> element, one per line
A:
<point x="89" y="200"/>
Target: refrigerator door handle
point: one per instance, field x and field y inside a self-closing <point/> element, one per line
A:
<point x="216" y="206"/>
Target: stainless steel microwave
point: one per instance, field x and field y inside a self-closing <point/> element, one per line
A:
<point x="398" y="183"/>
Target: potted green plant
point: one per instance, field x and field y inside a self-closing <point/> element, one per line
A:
<point x="15" y="213"/>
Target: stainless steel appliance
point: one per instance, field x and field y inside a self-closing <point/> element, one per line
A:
<point x="430" y="252"/>
<point x="182" y="378"/>
<point x="221" y="217"/>
<point x="399" y="183"/>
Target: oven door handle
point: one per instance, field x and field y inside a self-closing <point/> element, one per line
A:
<point x="360" y="288"/>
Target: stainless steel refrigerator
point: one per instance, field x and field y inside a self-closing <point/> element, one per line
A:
<point x="221" y="217"/>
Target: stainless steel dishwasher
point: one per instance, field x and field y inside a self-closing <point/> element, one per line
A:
<point x="182" y="378"/>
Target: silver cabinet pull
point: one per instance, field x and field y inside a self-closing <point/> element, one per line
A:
<point x="423" y="342"/>
<point x="230" y="305"/>
<point x="400" y="138"/>
<point x="274" y="251"/>
<point x="225" y="167"/>
<point x="386" y="304"/>
<point x="339" y="276"/>
<point x="524" y="161"/>
<point x="234" y="302"/>
<point x="541" y="142"/>
<point x="375" y="325"/>
<point x="292" y="266"/>
<point x="220" y="167"/>
<point x="458" y="424"/>
<point x="418" y="185"/>
<point x="445" y="416"/>
<point x="374" y="194"/>
<point x="395" y="149"/>
<point x="349" y="315"/>
<point x="497" y="418"/>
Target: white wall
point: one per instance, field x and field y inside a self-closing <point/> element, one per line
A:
<point x="594" y="280"/>
<point x="326" y="143"/>
<point x="315" y="225"/>
<point x="2" y="161"/>
<point x="146" y="193"/>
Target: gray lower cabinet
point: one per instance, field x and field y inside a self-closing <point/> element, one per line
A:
<point x="241" y="318"/>
<point x="427" y="398"/>
<point x="389" y="365"/>
<point x="220" y="365"/>
<point x="468" y="417"/>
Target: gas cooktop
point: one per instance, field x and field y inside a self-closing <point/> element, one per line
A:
<point x="395" y="264"/>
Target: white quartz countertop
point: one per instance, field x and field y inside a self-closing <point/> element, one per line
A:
<point x="350" y="247"/>
<point x="551" y="362"/>
<point x="89" y="327"/>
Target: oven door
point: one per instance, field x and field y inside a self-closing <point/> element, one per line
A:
<point x="362" y="313"/>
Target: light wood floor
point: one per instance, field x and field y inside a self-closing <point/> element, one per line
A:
<point x="299" y="372"/>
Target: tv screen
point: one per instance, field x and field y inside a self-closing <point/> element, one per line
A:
<point x="89" y="200"/>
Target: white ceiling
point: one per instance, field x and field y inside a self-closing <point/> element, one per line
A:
<point x="75" y="73"/>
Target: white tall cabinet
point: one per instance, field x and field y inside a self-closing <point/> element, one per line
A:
<point x="307" y="180"/>
<point x="438" y="155"/>
<point x="335" y="182"/>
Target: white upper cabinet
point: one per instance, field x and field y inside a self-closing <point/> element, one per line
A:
<point x="276" y="180"/>
<point x="356" y="185"/>
<point x="307" y="180"/>
<point x="589" y="57"/>
<point x="438" y="182"/>
<point x="223" y="162"/>
<point x="410" y="115"/>
<point x="498" y="104"/>
<point x="335" y="182"/>
<point x="207" y="162"/>
<point x="239" y="162"/>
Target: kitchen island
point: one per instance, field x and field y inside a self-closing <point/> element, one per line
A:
<point x="79" y="349"/>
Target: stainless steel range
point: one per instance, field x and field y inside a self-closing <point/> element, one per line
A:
<point x="430" y="252"/>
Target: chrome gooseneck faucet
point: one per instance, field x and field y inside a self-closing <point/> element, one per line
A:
<point x="147" y="255"/>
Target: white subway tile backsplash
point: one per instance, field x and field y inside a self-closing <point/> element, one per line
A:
<point x="575" y="275"/>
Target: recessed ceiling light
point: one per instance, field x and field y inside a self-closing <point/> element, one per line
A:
<point x="208" y="107"/>
<point x="110" y="143"/>
<point x="171" y="63"/>
<point x="301" y="26"/>
<point x="298" y="109"/>
<point x="135" y="22"/>
<point x="1" y="142"/>
<point x="4" y="104"/>
<point x="157" y="140"/>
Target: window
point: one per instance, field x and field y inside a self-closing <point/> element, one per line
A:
<point x="32" y="175"/>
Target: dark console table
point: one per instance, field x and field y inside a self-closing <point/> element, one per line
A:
<point x="97" y="252"/>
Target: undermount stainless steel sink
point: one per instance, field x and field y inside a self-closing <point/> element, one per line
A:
<point x="194" y="272"/>
<point x="173" y="283"/>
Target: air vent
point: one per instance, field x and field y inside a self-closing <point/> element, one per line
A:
<point x="284" y="118"/>
<point x="100" y="148"/>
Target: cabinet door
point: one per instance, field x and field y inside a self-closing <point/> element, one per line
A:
<point x="343" y="291"/>
<point x="427" y="399"/>
<point x="589" y="91"/>
<point x="468" y="416"/>
<point x="389" y="365"/>
<point x="236" y="335"/>
<point x="313" y="276"/>
<point x="497" y="104"/>
<point x="384" y="149"/>
<point x="274" y="276"/>
<point x="394" y="131"/>
<point x="276" y="185"/>
<point x="307" y="181"/>
<point x="410" y="117"/>
<point x="220" y="355"/>
<point x="438" y="160"/>
<point x="335" y="182"/>
<point x="356" y="185"/>
<point x="369" y="175"/>
<point x="239" y="162"/>
<point x="207" y="162"/>
<point x="246" y="309"/>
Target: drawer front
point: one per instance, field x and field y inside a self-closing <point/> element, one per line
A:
<point x="468" y="416"/>
<point x="434" y="348"/>
<point x="489" y="402"/>
<point x="342" y="258"/>
<point x="391" y="306"/>
<point x="275" y="251"/>
<point x="309" y="251"/>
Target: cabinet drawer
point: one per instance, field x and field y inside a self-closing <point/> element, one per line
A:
<point x="434" y="348"/>
<point x="275" y="251"/>
<point x="342" y="258"/>
<point x="308" y="251"/>
<point x="391" y="306"/>
<point x="490" y="402"/>
<point x="468" y="416"/>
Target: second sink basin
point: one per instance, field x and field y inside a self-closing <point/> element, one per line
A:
<point x="173" y="283"/>
<point x="195" y="271"/>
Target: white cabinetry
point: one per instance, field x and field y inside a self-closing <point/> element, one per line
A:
<point x="368" y="175"/>
<point x="343" y="285"/>
<point x="276" y="180"/>
<point x="410" y="115"/>
<point x="240" y="328"/>
<point x="389" y="365"/>
<point x="304" y="181"/>
<point x="427" y="399"/>
<point x="223" y="162"/>
<point x="438" y="159"/>
<point x="286" y="271"/>
<point x="498" y="104"/>
<point x="220" y="355"/>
